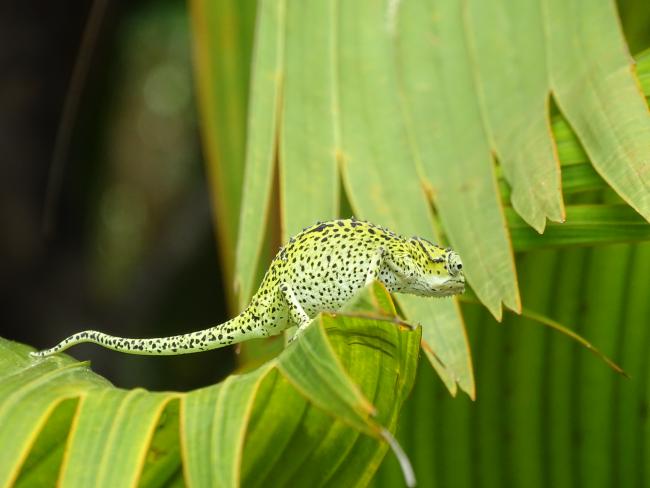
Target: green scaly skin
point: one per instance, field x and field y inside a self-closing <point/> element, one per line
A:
<point x="318" y="270"/>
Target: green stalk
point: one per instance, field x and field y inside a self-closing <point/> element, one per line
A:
<point x="629" y="460"/>
<point x="524" y="374"/>
<point x="491" y="387"/>
<point x="605" y="291"/>
<point x="559" y="402"/>
<point x="455" y="436"/>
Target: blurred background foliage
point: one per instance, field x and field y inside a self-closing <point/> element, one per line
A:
<point x="133" y="251"/>
<point x="132" y="247"/>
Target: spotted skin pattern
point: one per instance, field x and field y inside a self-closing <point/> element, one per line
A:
<point x="318" y="270"/>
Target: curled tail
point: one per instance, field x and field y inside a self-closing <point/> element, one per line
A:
<point x="236" y="330"/>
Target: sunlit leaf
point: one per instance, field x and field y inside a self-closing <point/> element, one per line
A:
<point x="593" y="80"/>
<point x="265" y="98"/>
<point x="44" y="460"/>
<point x="308" y="132"/>
<point x="215" y="419"/>
<point x="512" y="84"/>
<point x="445" y="117"/>
<point x="346" y="376"/>
<point x="381" y="176"/>
<point x="111" y="428"/>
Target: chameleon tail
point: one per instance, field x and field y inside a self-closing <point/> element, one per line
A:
<point x="236" y="330"/>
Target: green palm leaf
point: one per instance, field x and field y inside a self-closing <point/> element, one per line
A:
<point x="346" y="377"/>
<point x="409" y="100"/>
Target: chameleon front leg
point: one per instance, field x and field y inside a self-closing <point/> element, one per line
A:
<point x="297" y="313"/>
<point x="375" y="266"/>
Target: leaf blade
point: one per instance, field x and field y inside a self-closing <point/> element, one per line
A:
<point x="442" y="104"/>
<point x="268" y="69"/>
<point x="377" y="152"/>
<point x="510" y="69"/>
<point x="593" y="81"/>
<point x="308" y="136"/>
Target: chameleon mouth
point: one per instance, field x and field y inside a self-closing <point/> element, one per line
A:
<point x="452" y="287"/>
<point x="437" y="287"/>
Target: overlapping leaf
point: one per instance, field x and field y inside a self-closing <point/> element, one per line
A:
<point x="411" y="99"/>
<point x="592" y="78"/>
<point x="308" y="132"/>
<point x="265" y="97"/>
<point x="346" y="377"/>
<point x="454" y="151"/>
<point x="511" y="75"/>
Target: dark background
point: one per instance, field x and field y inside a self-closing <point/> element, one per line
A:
<point x="130" y="250"/>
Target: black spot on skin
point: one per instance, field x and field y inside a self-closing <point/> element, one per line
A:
<point x="319" y="228"/>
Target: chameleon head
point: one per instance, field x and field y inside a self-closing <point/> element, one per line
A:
<point x="432" y="270"/>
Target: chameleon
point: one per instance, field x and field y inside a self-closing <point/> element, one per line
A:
<point x="318" y="270"/>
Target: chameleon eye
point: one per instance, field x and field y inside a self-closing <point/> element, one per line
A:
<point x="454" y="264"/>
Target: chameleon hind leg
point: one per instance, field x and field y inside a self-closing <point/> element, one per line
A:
<point x="297" y="313"/>
<point x="375" y="266"/>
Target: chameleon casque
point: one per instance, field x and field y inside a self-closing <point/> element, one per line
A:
<point x="318" y="270"/>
